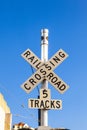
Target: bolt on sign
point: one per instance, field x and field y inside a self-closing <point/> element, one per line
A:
<point x="44" y="71"/>
<point x="45" y="101"/>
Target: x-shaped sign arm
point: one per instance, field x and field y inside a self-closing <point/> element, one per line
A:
<point x="44" y="71"/>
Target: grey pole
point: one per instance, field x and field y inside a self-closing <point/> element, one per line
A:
<point x="44" y="58"/>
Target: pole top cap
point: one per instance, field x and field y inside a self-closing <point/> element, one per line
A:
<point x="44" y="31"/>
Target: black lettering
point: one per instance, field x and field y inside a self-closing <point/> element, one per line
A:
<point x="52" y="104"/>
<point x="43" y="71"/>
<point x="26" y="86"/>
<point x="58" y="84"/>
<point x="61" y="54"/>
<point x="48" y="67"/>
<point x="37" y="76"/>
<point x="50" y="75"/>
<point x="62" y="87"/>
<point x="27" y="53"/>
<point x="37" y="66"/>
<point x="42" y="104"/>
<point x="45" y="94"/>
<point x="37" y="103"/>
<point x="58" y="104"/>
<point x="31" y="58"/>
<point x="54" y="79"/>
<point x="47" y="104"/>
<point x="56" y="59"/>
<point x="51" y="63"/>
<point x="35" y="61"/>
<point x="32" y="81"/>
<point x="32" y="103"/>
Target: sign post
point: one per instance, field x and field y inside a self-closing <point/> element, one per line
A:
<point x="44" y="58"/>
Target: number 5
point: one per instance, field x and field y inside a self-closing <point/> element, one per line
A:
<point x="45" y="93"/>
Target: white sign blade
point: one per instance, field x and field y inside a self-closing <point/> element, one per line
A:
<point x="32" y="59"/>
<point x="45" y="104"/>
<point x="57" y="82"/>
<point x="57" y="59"/>
<point x="33" y="81"/>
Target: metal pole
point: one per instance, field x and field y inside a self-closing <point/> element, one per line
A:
<point x="44" y="58"/>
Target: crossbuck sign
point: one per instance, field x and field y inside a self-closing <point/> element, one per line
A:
<point x="44" y="71"/>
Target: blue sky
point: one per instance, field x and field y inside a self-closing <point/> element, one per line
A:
<point x="20" y="25"/>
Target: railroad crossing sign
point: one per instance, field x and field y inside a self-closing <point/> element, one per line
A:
<point x="44" y="71"/>
<point x="45" y="101"/>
